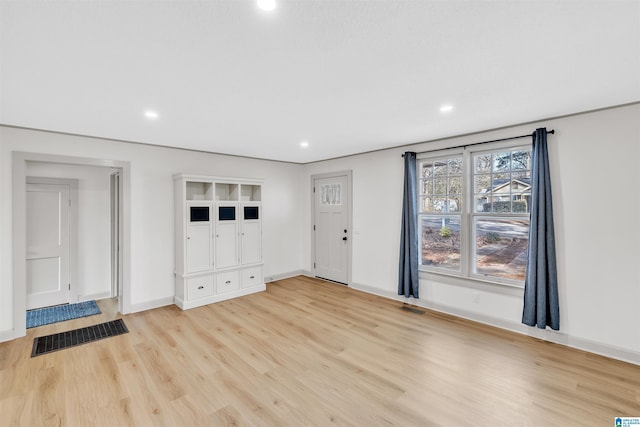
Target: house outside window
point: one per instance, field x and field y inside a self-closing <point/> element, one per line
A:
<point x="474" y="212"/>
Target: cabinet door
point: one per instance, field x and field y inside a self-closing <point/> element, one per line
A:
<point x="198" y="247"/>
<point x="226" y="244"/>
<point x="251" y="242"/>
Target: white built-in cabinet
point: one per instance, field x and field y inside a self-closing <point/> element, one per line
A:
<point x="218" y="234"/>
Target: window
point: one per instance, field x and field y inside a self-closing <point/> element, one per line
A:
<point x="474" y="212"/>
<point x="441" y="205"/>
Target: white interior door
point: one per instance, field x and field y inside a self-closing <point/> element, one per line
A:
<point x="331" y="205"/>
<point x="48" y="256"/>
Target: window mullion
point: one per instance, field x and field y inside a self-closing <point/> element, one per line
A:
<point x="465" y="225"/>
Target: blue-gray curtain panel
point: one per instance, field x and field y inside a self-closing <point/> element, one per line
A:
<point x="541" y="306"/>
<point x="408" y="269"/>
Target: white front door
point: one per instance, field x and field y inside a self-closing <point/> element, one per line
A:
<point x="47" y="245"/>
<point x="331" y="228"/>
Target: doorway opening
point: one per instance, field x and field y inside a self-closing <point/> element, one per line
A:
<point x="120" y="228"/>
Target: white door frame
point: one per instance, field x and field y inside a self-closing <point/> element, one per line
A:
<point x="348" y="174"/>
<point x="73" y="227"/>
<point x="19" y="235"/>
<point x="115" y="212"/>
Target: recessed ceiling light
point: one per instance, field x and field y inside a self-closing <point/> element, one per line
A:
<point x="150" y="114"/>
<point x="304" y="144"/>
<point x="267" y="5"/>
<point x="446" y="108"/>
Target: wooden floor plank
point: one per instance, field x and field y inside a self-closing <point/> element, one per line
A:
<point x="309" y="353"/>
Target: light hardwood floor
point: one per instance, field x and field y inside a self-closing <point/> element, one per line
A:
<point x="309" y="352"/>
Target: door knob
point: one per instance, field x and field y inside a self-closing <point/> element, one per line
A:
<point x="344" y="238"/>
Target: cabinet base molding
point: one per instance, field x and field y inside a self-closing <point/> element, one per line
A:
<point x="187" y="304"/>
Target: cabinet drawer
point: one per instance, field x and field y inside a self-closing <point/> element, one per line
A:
<point x="227" y="282"/>
<point x="198" y="287"/>
<point x="252" y="277"/>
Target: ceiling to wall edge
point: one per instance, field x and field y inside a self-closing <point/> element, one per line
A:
<point x="394" y="147"/>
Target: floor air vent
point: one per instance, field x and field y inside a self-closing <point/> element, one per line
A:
<point x="412" y="309"/>
<point x="62" y="340"/>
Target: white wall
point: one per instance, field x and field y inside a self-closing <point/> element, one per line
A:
<point x="152" y="170"/>
<point x="593" y="167"/>
<point x="594" y="171"/>
<point x="93" y="226"/>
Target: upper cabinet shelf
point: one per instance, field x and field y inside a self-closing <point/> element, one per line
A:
<point x="219" y="189"/>
<point x="197" y="190"/>
<point x="227" y="192"/>
<point x="250" y="193"/>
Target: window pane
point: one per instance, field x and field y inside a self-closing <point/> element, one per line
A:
<point x="454" y="203"/>
<point x="426" y="170"/>
<point x="502" y="161"/>
<point x="455" y="185"/>
<point x="521" y="160"/>
<point x="440" y="242"/>
<point x="482" y="184"/>
<point x="482" y="203"/>
<point x="330" y="194"/>
<point x="440" y="168"/>
<point x="524" y="176"/>
<point x="521" y="203"/>
<point x="425" y="204"/>
<point x="483" y="163"/>
<point x="499" y="180"/>
<point x="427" y="187"/>
<point x="440" y="204"/>
<point x="440" y="186"/>
<point x="455" y="166"/>
<point x="500" y="204"/>
<point x="501" y="247"/>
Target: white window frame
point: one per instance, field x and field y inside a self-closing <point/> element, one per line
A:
<point x="468" y="214"/>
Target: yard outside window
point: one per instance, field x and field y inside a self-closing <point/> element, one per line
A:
<point x="474" y="213"/>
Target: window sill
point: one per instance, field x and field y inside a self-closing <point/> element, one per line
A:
<point x="473" y="283"/>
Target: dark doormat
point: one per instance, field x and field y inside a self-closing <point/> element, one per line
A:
<point x="62" y="340"/>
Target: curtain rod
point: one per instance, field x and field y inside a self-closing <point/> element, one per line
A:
<point x="552" y="131"/>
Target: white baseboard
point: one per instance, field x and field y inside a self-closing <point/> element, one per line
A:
<point x="6" y="335"/>
<point x="281" y="276"/>
<point x="376" y="291"/>
<point x="544" y="334"/>
<point x="90" y="297"/>
<point x="187" y="304"/>
<point x="150" y="305"/>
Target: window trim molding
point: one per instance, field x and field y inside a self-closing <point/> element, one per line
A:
<point x="472" y="283"/>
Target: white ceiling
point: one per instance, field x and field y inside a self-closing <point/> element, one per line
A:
<point x="347" y="76"/>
